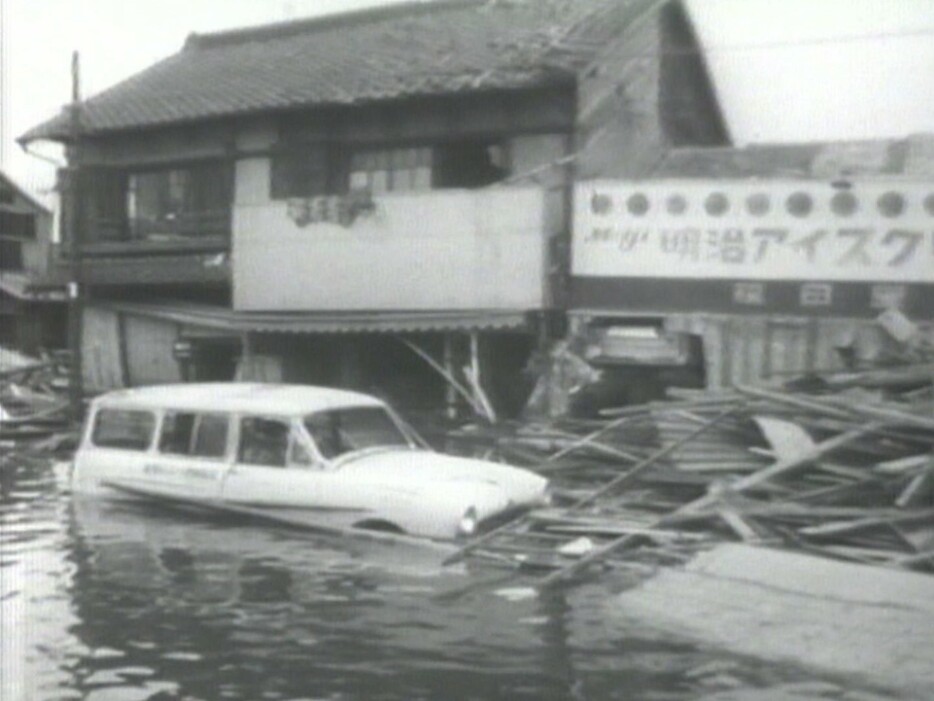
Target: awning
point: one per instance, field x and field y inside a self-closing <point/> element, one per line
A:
<point x="227" y="320"/>
<point x="27" y="287"/>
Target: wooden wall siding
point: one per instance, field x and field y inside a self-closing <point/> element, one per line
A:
<point x="161" y="145"/>
<point x="100" y="347"/>
<point x="149" y="358"/>
<point x="37" y="253"/>
<point x="424" y="120"/>
<point x="502" y="114"/>
<point x="740" y="349"/>
<point x="634" y="103"/>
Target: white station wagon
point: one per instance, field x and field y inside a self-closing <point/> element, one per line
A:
<point x="309" y="455"/>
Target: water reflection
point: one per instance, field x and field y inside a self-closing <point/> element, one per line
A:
<point x="104" y="603"/>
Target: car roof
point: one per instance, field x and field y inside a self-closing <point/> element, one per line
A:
<point x="254" y="398"/>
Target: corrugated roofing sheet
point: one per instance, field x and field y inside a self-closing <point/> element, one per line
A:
<point x="425" y="48"/>
<point x="225" y="319"/>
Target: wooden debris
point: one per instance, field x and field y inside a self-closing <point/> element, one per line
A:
<point x="841" y="466"/>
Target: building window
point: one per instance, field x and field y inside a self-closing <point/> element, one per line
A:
<point x="311" y="170"/>
<point x="178" y="202"/>
<point x="11" y="255"/>
<point x="468" y="164"/>
<point x="6" y="194"/>
<point x="18" y="224"/>
<point x="394" y="170"/>
<point x="308" y="170"/>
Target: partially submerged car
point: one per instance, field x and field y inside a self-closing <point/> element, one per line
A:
<point x="306" y="455"/>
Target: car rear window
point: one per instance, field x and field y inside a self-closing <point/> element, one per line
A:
<point x="124" y="429"/>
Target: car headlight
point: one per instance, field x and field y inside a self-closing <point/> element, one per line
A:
<point x="467" y="526"/>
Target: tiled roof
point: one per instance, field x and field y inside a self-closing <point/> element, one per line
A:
<point x="416" y="48"/>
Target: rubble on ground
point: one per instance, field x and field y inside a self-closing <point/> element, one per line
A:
<point x="840" y="465"/>
<point x="34" y="402"/>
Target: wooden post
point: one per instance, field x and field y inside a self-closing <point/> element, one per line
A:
<point x="450" y="393"/>
<point x="246" y="370"/>
<point x="71" y="200"/>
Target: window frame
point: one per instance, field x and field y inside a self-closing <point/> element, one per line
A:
<point x="195" y="432"/>
<point x="95" y="425"/>
<point x="295" y="434"/>
<point x="225" y="174"/>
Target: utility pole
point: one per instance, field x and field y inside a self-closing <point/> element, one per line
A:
<point x="71" y="202"/>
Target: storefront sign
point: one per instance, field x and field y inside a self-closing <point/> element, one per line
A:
<point x="776" y="230"/>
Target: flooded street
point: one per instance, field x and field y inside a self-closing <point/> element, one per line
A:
<point x="106" y="603"/>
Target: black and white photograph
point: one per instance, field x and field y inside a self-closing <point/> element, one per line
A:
<point x="467" y="350"/>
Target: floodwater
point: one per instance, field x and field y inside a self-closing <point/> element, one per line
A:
<point x="125" y="604"/>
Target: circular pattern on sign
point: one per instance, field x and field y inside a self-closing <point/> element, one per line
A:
<point x="716" y="204"/>
<point x="844" y="204"/>
<point x="676" y="204"/>
<point x="758" y="204"/>
<point x="637" y="204"/>
<point x="601" y="204"/>
<point x="891" y="204"/>
<point x="929" y="204"/>
<point x="799" y="204"/>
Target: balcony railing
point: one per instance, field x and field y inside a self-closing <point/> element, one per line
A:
<point x="190" y="232"/>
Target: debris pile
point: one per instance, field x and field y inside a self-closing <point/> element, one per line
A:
<point x="840" y="465"/>
<point x="33" y="396"/>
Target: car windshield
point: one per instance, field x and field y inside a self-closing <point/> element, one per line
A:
<point x="341" y="431"/>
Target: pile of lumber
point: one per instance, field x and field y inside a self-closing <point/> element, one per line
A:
<point x="840" y="465"/>
<point x="33" y="396"/>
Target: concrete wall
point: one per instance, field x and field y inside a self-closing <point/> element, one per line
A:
<point x="749" y="350"/>
<point x="450" y="249"/>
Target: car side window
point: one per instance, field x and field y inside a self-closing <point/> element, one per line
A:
<point x="263" y="442"/>
<point x="177" y="430"/>
<point x="211" y="436"/>
<point x="123" y="429"/>
<point x="197" y="435"/>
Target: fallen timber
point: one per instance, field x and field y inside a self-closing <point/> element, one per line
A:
<point x="840" y="466"/>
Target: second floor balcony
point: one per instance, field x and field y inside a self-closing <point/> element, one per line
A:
<point x="130" y="212"/>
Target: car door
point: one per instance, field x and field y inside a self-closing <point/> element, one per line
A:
<point x="274" y="470"/>
<point x="117" y="447"/>
<point x="193" y="454"/>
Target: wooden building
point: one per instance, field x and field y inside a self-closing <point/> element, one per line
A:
<point x="302" y="201"/>
<point x="32" y="310"/>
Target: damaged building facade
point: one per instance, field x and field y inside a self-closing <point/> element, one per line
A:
<point x="32" y="302"/>
<point x="276" y="203"/>
<point x="697" y="263"/>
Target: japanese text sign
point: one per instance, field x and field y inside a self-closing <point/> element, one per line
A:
<point x="776" y="230"/>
